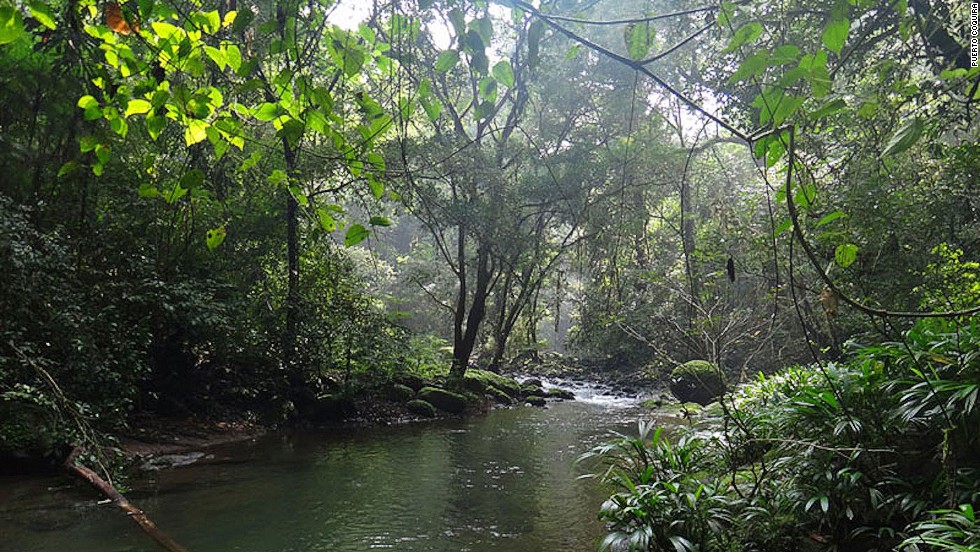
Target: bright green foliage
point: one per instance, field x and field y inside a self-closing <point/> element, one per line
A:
<point x="863" y="454"/>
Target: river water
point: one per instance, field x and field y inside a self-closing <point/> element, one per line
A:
<point x="505" y="481"/>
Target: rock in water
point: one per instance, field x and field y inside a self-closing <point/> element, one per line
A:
<point x="697" y="381"/>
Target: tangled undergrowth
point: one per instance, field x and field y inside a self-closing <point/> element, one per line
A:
<point x="878" y="452"/>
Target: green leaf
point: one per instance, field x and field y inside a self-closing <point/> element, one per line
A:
<point x="267" y="111"/>
<point x="835" y="33"/>
<point x="753" y="66"/>
<point x="827" y="219"/>
<point x="42" y="12"/>
<point x="504" y="73"/>
<point x="277" y="177"/>
<point x="11" y="24"/>
<point x="639" y="39"/>
<point x="192" y="179"/>
<point x="215" y="237"/>
<point x="447" y="60"/>
<point x="217" y="56"/>
<point x="234" y="57"/>
<point x="828" y="109"/>
<point x="355" y="235"/>
<point x="174" y="193"/>
<point x="905" y="137"/>
<point x="377" y="187"/>
<point x="148" y="190"/>
<point x="845" y="254"/>
<point x="380" y="221"/>
<point x="744" y="35"/>
<point x="87" y="102"/>
<point x="137" y="107"/>
<point x="326" y="220"/>
<point x="788" y="105"/>
<point x="196" y="131"/>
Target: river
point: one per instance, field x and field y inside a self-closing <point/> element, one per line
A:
<point x="505" y="481"/>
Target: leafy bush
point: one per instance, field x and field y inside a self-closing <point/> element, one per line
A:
<point x="867" y="454"/>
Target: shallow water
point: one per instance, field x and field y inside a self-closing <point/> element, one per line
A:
<point x="505" y="481"/>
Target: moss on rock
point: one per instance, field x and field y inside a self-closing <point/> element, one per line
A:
<point x="697" y="381"/>
<point x="444" y="400"/>
<point x="421" y="408"/>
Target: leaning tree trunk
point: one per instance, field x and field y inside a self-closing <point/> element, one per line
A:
<point x="120" y="501"/>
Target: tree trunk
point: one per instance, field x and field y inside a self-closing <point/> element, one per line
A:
<point x="290" y="332"/>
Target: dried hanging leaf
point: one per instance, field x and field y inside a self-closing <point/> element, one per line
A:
<point x="829" y="299"/>
<point x="116" y="21"/>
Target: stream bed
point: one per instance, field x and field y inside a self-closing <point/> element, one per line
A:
<point x="505" y="481"/>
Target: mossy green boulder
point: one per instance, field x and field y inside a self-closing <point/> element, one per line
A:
<point x="509" y="386"/>
<point x="697" y="381"/>
<point x="444" y="400"/>
<point x="421" y="408"/>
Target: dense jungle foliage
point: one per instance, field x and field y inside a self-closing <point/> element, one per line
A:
<point x="234" y="209"/>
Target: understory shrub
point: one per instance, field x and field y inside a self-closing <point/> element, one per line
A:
<point x="879" y="452"/>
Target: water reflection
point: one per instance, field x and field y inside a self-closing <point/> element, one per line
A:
<point x="505" y="481"/>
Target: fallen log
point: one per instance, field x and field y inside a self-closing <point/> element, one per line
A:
<point x="121" y="502"/>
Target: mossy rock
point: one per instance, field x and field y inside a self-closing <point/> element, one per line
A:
<point x="444" y="400"/>
<point x="421" y="408"/>
<point x="697" y="381"/>
<point x="474" y="385"/>
<point x="499" y="396"/>
<point x="415" y="382"/>
<point x="560" y="394"/>
<point x="397" y="392"/>
<point x="507" y="385"/>
<point x="535" y="400"/>
<point x="532" y="390"/>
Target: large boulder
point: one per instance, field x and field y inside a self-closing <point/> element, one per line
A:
<point x="421" y="408"/>
<point x="447" y="401"/>
<point x="697" y="381"/>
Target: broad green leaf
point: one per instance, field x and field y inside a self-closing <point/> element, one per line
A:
<point x="267" y="111"/>
<point x="174" y="193"/>
<point x="11" y="24"/>
<point x="447" y="60"/>
<point x="148" y="190"/>
<point x="788" y="105"/>
<point x="196" y="131"/>
<point x="215" y="237"/>
<point x="87" y="102"/>
<point x="816" y="73"/>
<point x="828" y="109"/>
<point x="782" y="227"/>
<point x="744" y="35"/>
<point x="67" y="168"/>
<point x="905" y="137"/>
<point x="277" y="177"/>
<point x="217" y="56"/>
<point x="504" y="73"/>
<point x="326" y="220"/>
<point x="377" y="187"/>
<point x="252" y="161"/>
<point x="138" y="107"/>
<point x="42" y="12"/>
<point x="786" y="53"/>
<point x="234" y="57"/>
<point x="300" y="197"/>
<point x="845" y="254"/>
<point x="432" y="107"/>
<point x="639" y="39"/>
<point x="835" y="33"/>
<point x="827" y="219"/>
<point x="380" y="221"/>
<point x="753" y="66"/>
<point x="355" y="235"/>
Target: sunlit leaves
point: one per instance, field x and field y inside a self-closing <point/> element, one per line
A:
<point x="267" y="111"/>
<point x="356" y="233"/>
<point x="137" y="107"/>
<point x="215" y="237"/>
<point x="42" y="12"/>
<point x="11" y="24"/>
<point x="195" y="131"/>
<point x="835" y="33"/>
<point x="827" y="219"/>
<point x="845" y="254"/>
